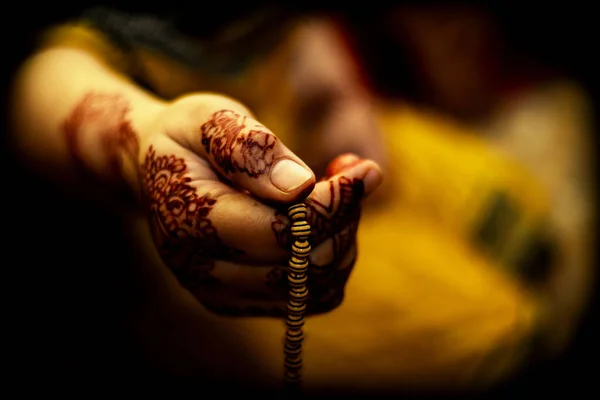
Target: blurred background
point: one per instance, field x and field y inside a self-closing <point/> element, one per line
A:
<point x="478" y="254"/>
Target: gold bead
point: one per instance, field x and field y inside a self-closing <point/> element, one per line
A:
<point x="296" y="309"/>
<point x="301" y="248"/>
<point x="300" y="229"/>
<point x="292" y="350"/>
<point x="295" y="323"/>
<point x="293" y="363"/>
<point x="299" y="294"/>
<point x="294" y="336"/>
<point x="298" y="265"/>
<point x="297" y="280"/>
<point x="297" y="212"/>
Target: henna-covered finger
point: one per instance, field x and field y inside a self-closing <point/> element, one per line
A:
<point x="241" y="149"/>
<point x="249" y="154"/>
<point x="327" y="281"/>
<point x="236" y="288"/>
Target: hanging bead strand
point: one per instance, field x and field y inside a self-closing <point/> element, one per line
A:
<point x="298" y="294"/>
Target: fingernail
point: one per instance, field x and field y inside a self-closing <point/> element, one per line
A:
<point x="288" y="175"/>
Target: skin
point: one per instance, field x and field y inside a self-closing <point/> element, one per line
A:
<point x="199" y="168"/>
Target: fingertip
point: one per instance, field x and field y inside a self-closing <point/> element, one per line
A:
<point x="341" y="163"/>
<point x="373" y="178"/>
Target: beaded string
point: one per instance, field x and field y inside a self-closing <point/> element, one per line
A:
<point x="298" y="294"/>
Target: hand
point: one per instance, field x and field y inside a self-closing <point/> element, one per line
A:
<point x="216" y="185"/>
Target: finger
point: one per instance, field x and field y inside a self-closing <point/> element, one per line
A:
<point x="232" y="288"/>
<point x="340" y="163"/>
<point x="242" y="150"/>
<point x="227" y="287"/>
<point x="328" y="279"/>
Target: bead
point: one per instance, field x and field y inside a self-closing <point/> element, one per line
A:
<point x="297" y="212"/>
<point x="298" y="271"/>
<point x="296" y="310"/>
<point x="293" y="363"/>
<point x="291" y="350"/>
<point x="298" y="261"/>
<point x="298" y="265"/>
<point x="300" y="229"/>
<point x="295" y="303"/>
<point x="301" y="248"/>
<point x="294" y="335"/>
<point x="297" y="280"/>
<point x="294" y="317"/>
<point x="295" y="324"/>
<point x="299" y="294"/>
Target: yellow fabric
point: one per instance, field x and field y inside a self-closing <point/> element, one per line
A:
<point x="450" y="175"/>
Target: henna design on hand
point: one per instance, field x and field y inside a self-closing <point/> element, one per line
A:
<point x="104" y="116"/>
<point x="337" y="219"/>
<point x="234" y="148"/>
<point x="184" y="234"/>
<point x="99" y="138"/>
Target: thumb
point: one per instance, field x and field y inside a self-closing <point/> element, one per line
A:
<point x="247" y="153"/>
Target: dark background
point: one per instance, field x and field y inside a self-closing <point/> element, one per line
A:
<point x="40" y="317"/>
